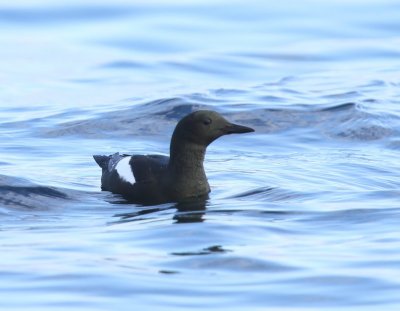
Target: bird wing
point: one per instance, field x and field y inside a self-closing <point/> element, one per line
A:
<point x="148" y="168"/>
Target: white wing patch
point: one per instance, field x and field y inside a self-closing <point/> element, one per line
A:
<point x="124" y="170"/>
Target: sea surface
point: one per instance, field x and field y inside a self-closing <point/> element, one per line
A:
<point x="304" y="213"/>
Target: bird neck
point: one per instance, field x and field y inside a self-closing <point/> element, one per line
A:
<point x="186" y="160"/>
<point x="186" y="178"/>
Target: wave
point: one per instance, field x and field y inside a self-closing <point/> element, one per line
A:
<point x="272" y="108"/>
<point x="19" y="193"/>
<point x="341" y="121"/>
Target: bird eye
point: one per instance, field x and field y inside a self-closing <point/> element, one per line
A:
<point x="207" y="121"/>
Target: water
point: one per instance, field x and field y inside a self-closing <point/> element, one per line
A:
<point x="303" y="213"/>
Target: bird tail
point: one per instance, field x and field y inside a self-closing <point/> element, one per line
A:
<point x="102" y="160"/>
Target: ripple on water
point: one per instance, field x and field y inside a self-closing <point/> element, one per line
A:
<point x="17" y="193"/>
<point x="303" y="213"/>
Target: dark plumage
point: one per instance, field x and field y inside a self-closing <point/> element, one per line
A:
<point x="154" y="179"/>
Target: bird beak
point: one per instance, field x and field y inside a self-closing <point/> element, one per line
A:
<point x="232" y="128"/>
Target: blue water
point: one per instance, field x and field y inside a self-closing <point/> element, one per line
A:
<point x="303" y="214"/>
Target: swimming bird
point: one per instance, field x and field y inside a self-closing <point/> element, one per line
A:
<point x="156" y="179"/>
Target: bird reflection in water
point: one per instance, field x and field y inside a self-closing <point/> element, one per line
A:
<point x="186" y="212"/>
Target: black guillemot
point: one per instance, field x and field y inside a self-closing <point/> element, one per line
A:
<point x="156" y="179"/>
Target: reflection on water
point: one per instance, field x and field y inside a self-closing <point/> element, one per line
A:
<point x="187" y="212"/>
